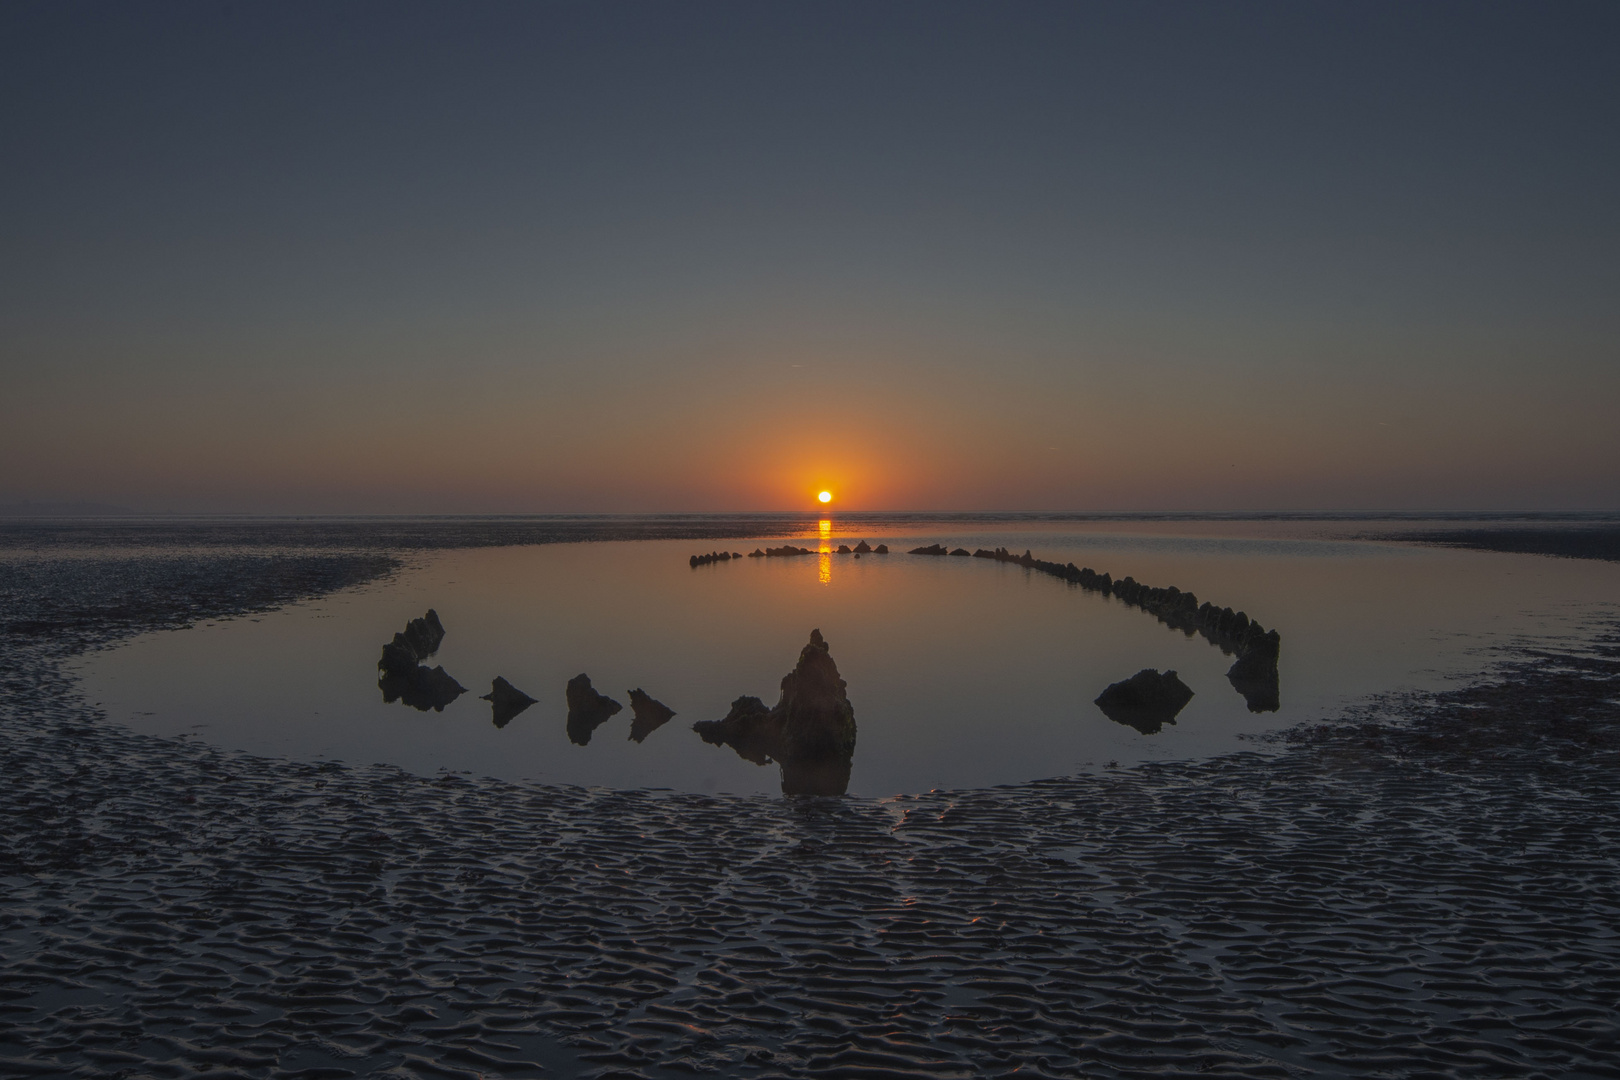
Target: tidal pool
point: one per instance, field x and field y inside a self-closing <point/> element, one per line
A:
<point x="962" y="672"/>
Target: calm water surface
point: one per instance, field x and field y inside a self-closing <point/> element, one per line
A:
<point x="962" y="672"/>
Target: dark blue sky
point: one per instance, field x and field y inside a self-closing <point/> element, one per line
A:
<point x="697" y="256"/>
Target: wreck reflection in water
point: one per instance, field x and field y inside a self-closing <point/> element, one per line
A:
<point x="1146" y="701"/>
<point x="404" y="678"/>
<point x="968" y="672"/>
<point x="810" y="733"/>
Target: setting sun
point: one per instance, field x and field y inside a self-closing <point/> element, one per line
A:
<point x="825" y="496"/>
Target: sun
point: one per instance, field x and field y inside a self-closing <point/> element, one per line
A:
<point x="825" y="496"/>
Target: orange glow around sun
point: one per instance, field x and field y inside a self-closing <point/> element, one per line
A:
<point x="825" y="496"/>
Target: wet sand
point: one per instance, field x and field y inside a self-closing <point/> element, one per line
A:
<point x="1429" y="887"/>
<point x="394" y="534"/>
<point x="1570" y="542"/>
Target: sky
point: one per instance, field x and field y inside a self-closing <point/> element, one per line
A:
<point x="625" y="257"/>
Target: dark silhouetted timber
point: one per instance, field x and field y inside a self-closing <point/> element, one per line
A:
<point x="817" y="719"/>
<point x="749" y="728"/>
<point x="810" y="733"/>
<point x="1253" y="674"/>
<point x="714" y="557"/>
<point x="507" y="701"/>
<point x="1259" y="692"/>
<point x="587" y="709"/>
<point x="650" y="714"/>
<point x="1234" y="633"/>
<point x="420" y="640"/>
<point x="1146" y="701"/>
<point x="405" y="679"/>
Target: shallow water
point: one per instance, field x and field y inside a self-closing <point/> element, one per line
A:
<point x="962" y="672"/>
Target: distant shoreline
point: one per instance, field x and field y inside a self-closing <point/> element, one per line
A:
<point x="1584" y="535"/>
<point x="1579" y="542"/>
<point x="26" y="513"/>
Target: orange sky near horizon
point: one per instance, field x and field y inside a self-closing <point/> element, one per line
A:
<point x="770" y="439"/>
<point x="576" y="258"/>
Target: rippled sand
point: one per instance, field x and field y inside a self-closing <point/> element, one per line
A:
<point x="1429" y="889"/>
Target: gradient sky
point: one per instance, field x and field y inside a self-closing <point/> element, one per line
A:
<point x="619" y="257"/>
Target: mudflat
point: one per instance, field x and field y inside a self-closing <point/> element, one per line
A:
<point x="1429" y="885"/>
<point x="1569" y="541"/>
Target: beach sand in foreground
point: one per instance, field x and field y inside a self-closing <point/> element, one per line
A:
<point x="1429" y="886"/>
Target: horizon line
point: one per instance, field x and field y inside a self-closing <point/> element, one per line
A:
<point x="65" y="511"/>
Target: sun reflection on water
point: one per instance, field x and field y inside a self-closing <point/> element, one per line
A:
<point x="824" y="574"/>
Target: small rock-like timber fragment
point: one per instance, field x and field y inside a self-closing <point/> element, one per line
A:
<point x="749" y="728"/>
<point x="650" y="714"/>
<point x="587" y="709"/>
<point x="1146" y="701"/>
<point x="402" y="675"/>
<point x="507" y="701"/>
<point x="1254" y="673"/>
<point x="420" y="639"/>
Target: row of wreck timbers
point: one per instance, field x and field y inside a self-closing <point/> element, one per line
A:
<point x="1253" y="673"/>
<point x="810" y="732"/>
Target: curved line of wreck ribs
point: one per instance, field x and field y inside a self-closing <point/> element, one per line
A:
<point x="1232" y="631"/>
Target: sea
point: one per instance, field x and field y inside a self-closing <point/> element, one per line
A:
<point x="962" y="672"/>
